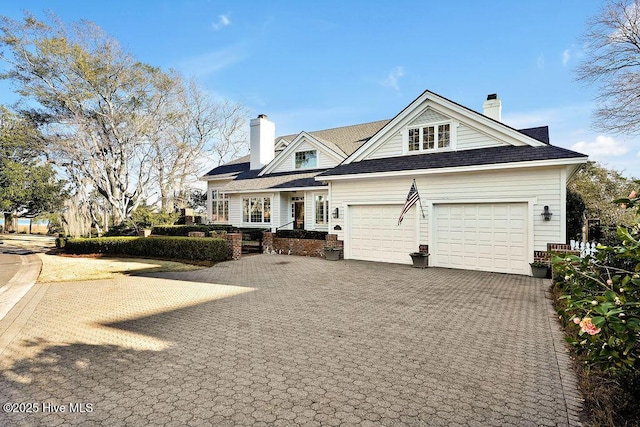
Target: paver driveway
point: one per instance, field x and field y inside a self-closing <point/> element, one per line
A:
<point x="283" y="340"/>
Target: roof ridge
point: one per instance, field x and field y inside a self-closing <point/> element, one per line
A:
<point x="346" y="126"/>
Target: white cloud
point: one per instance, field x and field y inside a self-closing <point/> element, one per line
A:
<point x="604" y="146"/>
<point x="223" y="21"/>
<point x="566" y="56"/>
<point x="211" y="62"/>
<point x="540" y="62"/>
<point x="393" y="78"/>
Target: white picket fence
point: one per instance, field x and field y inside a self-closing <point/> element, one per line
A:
<point x="585" y="248"/>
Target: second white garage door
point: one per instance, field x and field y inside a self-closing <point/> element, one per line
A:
<point x="483" y="236"/>
<point x="374" y="234"/>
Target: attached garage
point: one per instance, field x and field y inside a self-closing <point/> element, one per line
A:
<point x="374" y="235"/>
<point x="481" y="236"/>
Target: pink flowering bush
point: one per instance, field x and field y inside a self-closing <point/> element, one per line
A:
<point x="600" y="298"/>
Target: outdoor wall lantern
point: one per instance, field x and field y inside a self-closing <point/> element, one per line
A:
<point x="546" y="214"/>
<point x="336" y="213"/>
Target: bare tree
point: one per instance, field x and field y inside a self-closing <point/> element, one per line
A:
<point x="95" y="99"/>
<point x="193" y="131"/>
<point x="612" y="46"/>
<point x="118" y="126"/>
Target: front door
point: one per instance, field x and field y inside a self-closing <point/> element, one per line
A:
<point x="298" y="212"/>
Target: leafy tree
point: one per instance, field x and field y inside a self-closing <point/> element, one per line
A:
<point x="121" y="127"/>
<point x="146" y="216"/>
<point x="598" y="187"/>
<point x="28" y="185"/>
<point x="612" y="61"/>
<point x="575" y="215"/>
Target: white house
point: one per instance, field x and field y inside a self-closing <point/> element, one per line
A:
<point x="484" y="186"/>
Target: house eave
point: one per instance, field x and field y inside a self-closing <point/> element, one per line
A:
<point x="276" y="190"/>
<point x="458" y="169"/>
<point x="216" y="178"/>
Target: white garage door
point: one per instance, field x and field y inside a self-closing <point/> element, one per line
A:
<point x="374" y="234"/>
<point x="488" y="237"/>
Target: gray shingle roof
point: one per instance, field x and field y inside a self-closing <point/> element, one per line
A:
<point x="346" y="138"/>
<point x="232" y="168"/>
<point x="540" y="133"/>
<point x="481" y="156"/>
<point x="249" y="180"/>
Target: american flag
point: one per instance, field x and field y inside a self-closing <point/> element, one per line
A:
<point x="412" y="198"/>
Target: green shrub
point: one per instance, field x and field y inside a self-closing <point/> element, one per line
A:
<point x="61" y="242"/>
<point x="600" y="299"/>
<point x="185" y="248"/>
<point x="183" y="230"/>
<point x="302" y="234"/>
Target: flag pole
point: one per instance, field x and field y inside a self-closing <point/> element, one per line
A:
<point x="419" y="198"/>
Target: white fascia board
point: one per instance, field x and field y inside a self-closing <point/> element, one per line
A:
<point x="458" y="113"/>
<point x="276" y="190"/>
<point x="297" y="141"/>
<point x="459" y="169"/>
<point x="217" y="178"/>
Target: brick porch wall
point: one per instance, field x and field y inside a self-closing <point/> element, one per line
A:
<point x="302" y="247"/>
<point x="234" y="242"/>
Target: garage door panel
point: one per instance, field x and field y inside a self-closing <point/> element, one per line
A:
<point x="374" y="233"/>
<point x="482" y="236"/>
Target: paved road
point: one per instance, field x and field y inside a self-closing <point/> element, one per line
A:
<point x="9" y="266"/>
<point x="284" y="340"/>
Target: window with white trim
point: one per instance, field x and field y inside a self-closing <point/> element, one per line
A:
<point x="322" y="210"/>
<point x="256" y="209"/>
<point x="219" y="206"/>
<point x="429" y="138"/>
<point x="306" y="159"/>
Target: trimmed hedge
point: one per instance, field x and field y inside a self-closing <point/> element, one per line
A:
<point x="186" y="248"/>
<point x="183" y="230"/>
<point x="302" y="234"/>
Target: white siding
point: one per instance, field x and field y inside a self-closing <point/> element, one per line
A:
<point x="466" y="138"/>
<point x="542" y="185"/>
<point x="287" y="163"/>
<point x="235" y="210"/>
<point x="310" y="211"/>
<point x="428" y="116"/>
<point x="390" y="148"/>
<point x="469" y="138"/>
<point x="285" y="211"/>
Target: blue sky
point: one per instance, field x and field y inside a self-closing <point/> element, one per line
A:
<point x="318" y="65"/>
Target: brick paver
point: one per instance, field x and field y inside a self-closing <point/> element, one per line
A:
<point x="284" y="340"/>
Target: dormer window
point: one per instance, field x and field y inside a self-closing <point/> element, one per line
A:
<point x="306" y="159"/>
<point x="429" y="138"/>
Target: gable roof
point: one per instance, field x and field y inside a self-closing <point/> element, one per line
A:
<point x="341" y="140"/>
<point x="452" y="159"/>
<point x="346" y="138"/>
<point x="328" y="148"/>
<point x="449" y="108"/>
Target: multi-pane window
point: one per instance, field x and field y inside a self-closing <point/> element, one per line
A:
<point x="219" y="206"/>
<point x="426" y="138"/>
<point x="414" y="139"/>
<point x="322" y="210"/>
<point x="256" y="209"/>
<point x="306" y="159"/>
<point x="444" y="135"/>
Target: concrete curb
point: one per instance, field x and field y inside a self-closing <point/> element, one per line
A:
<point x="573" y="397"/>
<point x="20" y="283"/>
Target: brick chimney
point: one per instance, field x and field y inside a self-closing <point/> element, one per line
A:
<point x="493" y="107"/>
<point x="262" y="139"/>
